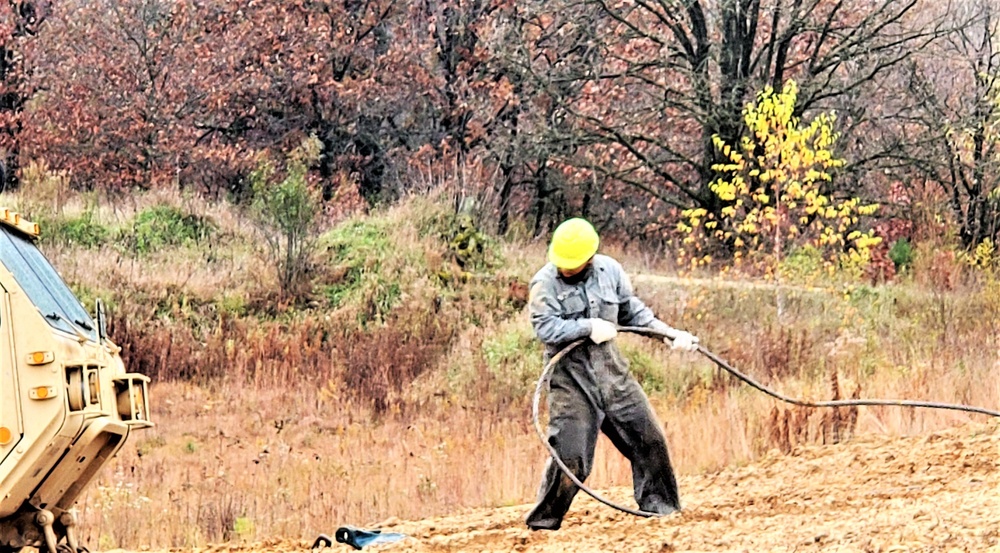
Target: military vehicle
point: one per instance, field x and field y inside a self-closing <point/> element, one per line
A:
<point x="67" y="403"/>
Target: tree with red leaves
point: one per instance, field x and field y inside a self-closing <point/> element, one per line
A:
<point x="20" y="22"/>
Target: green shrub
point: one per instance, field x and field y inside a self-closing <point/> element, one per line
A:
<point x="79" y="231"/>
<point x="901" y="253"/>
<point x="163" y="225"/>
<point x="355" y="252"/>
<point x="356" y="241"/>
<point x="469" y="249"/>
<point x="287" y="210"/>
<point x="469" y="246"/>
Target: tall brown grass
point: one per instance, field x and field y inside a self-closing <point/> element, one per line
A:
<point x="291" y="420"/>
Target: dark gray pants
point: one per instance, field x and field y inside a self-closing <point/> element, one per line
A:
<point x="592" y="390"/>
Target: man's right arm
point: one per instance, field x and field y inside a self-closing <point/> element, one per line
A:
<point x="547" y="320"/>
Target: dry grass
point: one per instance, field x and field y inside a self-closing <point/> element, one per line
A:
<point x="289" y="464"/>
<point x="243" y="464"/>
<point x="248" y="462"/>
<point x="291" y="420"/>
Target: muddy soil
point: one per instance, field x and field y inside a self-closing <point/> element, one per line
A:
<point x="935" y="492"/>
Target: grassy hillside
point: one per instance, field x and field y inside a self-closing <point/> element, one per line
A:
<point x="399" y="383"/>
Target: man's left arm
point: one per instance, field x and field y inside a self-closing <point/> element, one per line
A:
<point x="633" y="312"/>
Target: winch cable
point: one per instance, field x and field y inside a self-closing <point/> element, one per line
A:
<point x="832" y="403"/>
<point x="648" y="332"/>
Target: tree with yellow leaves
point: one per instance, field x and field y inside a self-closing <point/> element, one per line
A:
<point x="774" y="189"/>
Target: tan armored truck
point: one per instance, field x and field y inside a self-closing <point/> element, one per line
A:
<point x="66" y="402"/>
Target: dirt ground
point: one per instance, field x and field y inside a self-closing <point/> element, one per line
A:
<point x="936" y="492"/>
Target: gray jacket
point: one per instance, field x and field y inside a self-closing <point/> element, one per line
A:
<point x="559" y="311"/>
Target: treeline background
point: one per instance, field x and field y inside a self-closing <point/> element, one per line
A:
<point x="536" y="110"/>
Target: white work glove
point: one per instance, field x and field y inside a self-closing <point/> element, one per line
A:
<point x="601" y="331"/>
<point x="684" y="341"/>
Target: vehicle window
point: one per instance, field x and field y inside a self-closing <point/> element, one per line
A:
<point x="43" y="285"/>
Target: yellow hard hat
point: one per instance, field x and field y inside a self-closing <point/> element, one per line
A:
<point x="573" y="243"/>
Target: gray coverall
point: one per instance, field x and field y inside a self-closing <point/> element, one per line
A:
<point x="592" y="389"/>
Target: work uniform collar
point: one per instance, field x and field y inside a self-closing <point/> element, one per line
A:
<point x="582" y="276"/>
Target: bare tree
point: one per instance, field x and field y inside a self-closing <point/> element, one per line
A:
<point x="959" y="119"/>
<point x="675" y="73"/>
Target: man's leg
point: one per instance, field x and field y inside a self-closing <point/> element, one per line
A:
<point x="573" y="422"/>
<point x="632" y="427"/>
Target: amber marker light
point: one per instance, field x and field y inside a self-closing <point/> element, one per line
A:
<point x="42" y="392"/>
<point x="5" y="435"/>
<point x="40" y="357"/>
